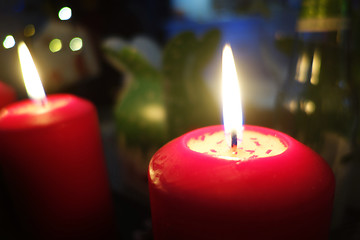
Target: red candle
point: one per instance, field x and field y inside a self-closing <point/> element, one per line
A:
<point x="7" y="95"/>
<point x="242" y="183"/>
<point x="53" y="163"/>
<point x="253" y="194"/>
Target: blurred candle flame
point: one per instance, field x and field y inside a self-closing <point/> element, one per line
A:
<point x="33" y="85"/>
<point x="232" y="109"/>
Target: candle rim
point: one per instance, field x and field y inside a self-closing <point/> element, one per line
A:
<point x="13" y="119"/>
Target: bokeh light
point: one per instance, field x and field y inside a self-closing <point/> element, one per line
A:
<point x="55" y="45"/>
<point x="65" y="13"/>
<point x="9" y="42"/>
<point x="76" y="44"/>
<point x="29" y="30"/>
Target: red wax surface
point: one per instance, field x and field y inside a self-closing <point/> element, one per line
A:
<point x="7" y="95"/>
<point x="197" y="196"/>
<point x="53" y="163"/>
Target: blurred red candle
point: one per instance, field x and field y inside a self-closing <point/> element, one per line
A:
<point x="7" y="95"/>
<point x="245" y="183"/>
<point x="53" y="163"/>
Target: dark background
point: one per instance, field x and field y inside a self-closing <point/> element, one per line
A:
<point x="253" y="28"/>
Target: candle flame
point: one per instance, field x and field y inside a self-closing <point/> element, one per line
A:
<point x="33" y="85"/>
<point x="232" y="109"/>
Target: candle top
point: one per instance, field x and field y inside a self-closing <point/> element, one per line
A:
<point x="254" y="145"/>
<point x="59" y="108"/>
<point x="29" y="107"/>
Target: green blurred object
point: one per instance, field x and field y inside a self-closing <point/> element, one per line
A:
<point x="140" y="110"/>
<point x="190" y="104"/>
<point x="157" y="105"/>
<point x="317" y="105"/>
<point x="322" y="9"/>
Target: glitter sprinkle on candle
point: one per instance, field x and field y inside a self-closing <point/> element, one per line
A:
<point x="254" y="145"/>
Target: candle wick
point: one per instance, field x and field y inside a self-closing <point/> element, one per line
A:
<point x="42" y="102"/>
<point x="233" y="140"/>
